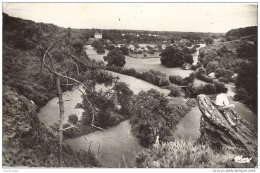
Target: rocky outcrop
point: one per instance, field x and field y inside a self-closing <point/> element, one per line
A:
<point x="217" y="131"/>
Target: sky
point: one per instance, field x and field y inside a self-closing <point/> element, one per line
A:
<point x="187" y="17"/>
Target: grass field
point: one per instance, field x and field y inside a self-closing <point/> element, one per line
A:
<point x="142" y="65"/>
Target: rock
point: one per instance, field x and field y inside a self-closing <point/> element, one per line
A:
<point x="218" y="133"/>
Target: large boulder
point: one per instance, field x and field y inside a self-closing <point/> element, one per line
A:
<point x="217" y="131"/>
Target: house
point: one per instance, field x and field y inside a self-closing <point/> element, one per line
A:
<point x="98" y="35"/>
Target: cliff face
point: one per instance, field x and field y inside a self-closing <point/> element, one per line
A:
<point x="218" y="133"/>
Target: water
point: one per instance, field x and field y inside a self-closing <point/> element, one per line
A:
<point x="114" y="144"/>
<point x="189" y="126"/>
<point x="196" y="54"/>
<point x="118" y="141"/>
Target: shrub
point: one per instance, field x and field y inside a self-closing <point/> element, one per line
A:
<point x="130" y="72"/>
<point x="189" y="79"/>
<point x="73" y="119"/>
<point x="124" y="95"/>
<point x="222" y="72"/>
<point x="177" y="80"/>
<point x="201" y="71"/>
<point x="180" y="153"/>
<point x="219" y="86"/>
<point x="209" y="89"/>
<point x="175" y="91"/>
<point x="188" y="58"/>
<point x="205" y="78"/>
<point x="222" y="79"/>
<point x="241" y="94"/>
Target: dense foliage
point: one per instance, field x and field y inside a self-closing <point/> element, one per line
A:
<point x="155" y="77"/>
<point x="26" y="141"/>
<point x="234" y="60"/>
<point x="241" y="32"/>
<point x="247" y="79"/>
<point x="192" y="91"/>
<point x="152" y="116"/>
<point x="123" y="96"/>
<point x="180" y="153"/>
<point x="178" y="80"/>
<point x="175" y="57"/>
<point x="115" y="58"/>
<point x="25" y="43"/>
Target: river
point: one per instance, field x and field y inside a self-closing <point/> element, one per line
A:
<point x="118" y="142"/>
<point x="115" y="142"/>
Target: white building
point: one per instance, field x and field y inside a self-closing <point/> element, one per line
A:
<point x="98" y="35"/>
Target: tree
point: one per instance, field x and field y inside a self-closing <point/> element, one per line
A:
<point x="100" y="49"/>
<point x="209" y="40"/>
<point x="188" y="58"/>
<point x="247" y="79"/>
<point x="95" y="44"/>
<point x="148" y="111"/>
<point x="77" y="45"/>
<point x="177" y="80"/>
<point x="124" y="50"/>
<point x="175" y="91"/>
<point x="67" y="72"/>
<point x="73" y="119"/>
<point x="115" y="58"/>
<point x="172" y="57"/>
<point x="212" y="66"/>
<point x="124" y="95"/>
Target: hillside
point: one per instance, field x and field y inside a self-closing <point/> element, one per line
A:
<point x="237" y="56"/>
<point x="26" y="88"/>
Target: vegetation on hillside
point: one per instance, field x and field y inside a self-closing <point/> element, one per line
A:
<point x="241" y="32"/>
<point x="28" y="48"/>
<point x="180" y="153"/>
<point x="234" y="60"/>
<point x="27" y="142"/>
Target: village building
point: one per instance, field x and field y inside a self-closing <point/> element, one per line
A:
<point x="98" y="35"/>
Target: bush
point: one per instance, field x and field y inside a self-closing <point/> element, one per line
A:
<point x="179" y="153"/>
<point x="188" y="58"/>
<point x="175" y="91"/>
<point x="124" y="95"/>
<point x="73" y="119"/>
<point x="130" y="72"/>
<point x="241" y="94"/>
<point x="222" y="79"/>
<point x="177" y="80"/>
<point x="205" y="78"/>
<point x="219" y="86"/>
<point x="201" y="71"/>
<point x="193" y="91"/>
<point x="189" y="79"/>
<point x="195" y="67"/>
<point x="209" y="89"/>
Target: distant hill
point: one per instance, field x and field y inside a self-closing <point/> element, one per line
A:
<point x="242" y="32"/>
